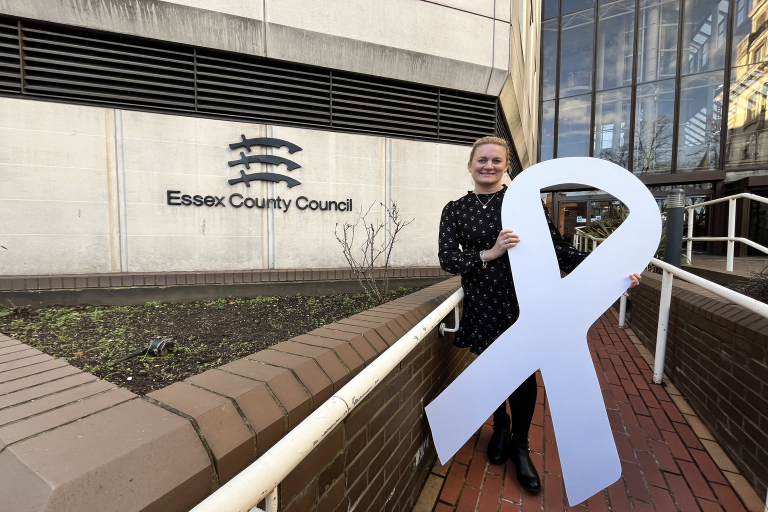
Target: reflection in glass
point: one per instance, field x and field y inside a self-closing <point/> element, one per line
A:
<point x="749" y="32"/>
<point x="654" y="118"/>
<point x="547" y="137"/>
<point x="571" y="216"/>
<point x="607" y="212"/>
<point x="612" y="111"/>
<point x="573" y="126"/>
<point x="701" y="107"/>
<point x="570" y="6"/>
<point x="758" y="222"/>
<point x="747" y="141"/>
<point x="700" y="219"/>
<point x="549" y="59"/>
<point x="704" y="35"/>
<point x="657" y="40"/>
<point x="615" y="38"/>
<point x="576" y="53"/>
<point x="550" y="9"/>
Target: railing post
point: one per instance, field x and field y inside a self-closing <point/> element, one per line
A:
<point x="689" y="244"/>
<point x="766" y="502"/>
<point x="665" y="302"/>
<point x="271" y="501"/>
<point x="622" y="311"/>
<point x="731" y="233"/>
<point x="673" y="249"/>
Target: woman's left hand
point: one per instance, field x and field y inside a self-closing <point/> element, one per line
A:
<point x="634" y="280"/>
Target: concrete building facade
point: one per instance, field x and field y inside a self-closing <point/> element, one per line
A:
<point x="117" y="119"/>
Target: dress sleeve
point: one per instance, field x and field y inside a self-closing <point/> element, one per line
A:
<point x="452" y="258"/>
<point x="568" y="257"/>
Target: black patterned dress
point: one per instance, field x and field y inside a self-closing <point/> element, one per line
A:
<point x="490" y="302"/>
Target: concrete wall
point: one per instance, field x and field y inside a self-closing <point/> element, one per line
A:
<point x="471" y="45"/>
<point x="84" y="191"/>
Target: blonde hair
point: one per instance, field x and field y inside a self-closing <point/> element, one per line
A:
<point x="489" y="140"/>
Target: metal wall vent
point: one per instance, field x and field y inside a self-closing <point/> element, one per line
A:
<point x="70" y="64"/>
<point x="10" y="56"/>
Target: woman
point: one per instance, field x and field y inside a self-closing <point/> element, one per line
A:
<point x="474" y="245"/>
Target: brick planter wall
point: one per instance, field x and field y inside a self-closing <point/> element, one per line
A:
<point x="717" y="355"/>
<point x="69" y="441"/>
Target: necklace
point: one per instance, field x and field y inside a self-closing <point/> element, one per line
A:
<point x="485" y="205"/>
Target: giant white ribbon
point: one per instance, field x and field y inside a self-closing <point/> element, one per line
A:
<point x="551" y="332"/>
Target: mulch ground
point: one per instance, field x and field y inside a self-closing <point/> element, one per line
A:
<point x="205" y="334"/>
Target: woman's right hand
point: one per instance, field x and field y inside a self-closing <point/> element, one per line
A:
<point x="506" y="240"/>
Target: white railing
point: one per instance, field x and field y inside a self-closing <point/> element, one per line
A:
<point x="260" y="480"/>
<point x="581" y="240"/>
<point x="731" y="238"/>
<point x="666" y="298"/>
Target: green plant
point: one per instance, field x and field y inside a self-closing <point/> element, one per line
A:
<point x="260" y="300"/>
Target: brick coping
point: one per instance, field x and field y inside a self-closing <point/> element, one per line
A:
<point x="69" y="441"/>
<point x="669" y="459"/>
<point x="137" y="279"/>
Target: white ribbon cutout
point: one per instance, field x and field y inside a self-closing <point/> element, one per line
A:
<point x="551" y="332"/>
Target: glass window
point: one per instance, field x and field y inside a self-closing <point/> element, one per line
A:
<point x="704" y="35"/>
<point x="758" y="222"/>
<point x="615" y="39"/>
<point x="657" y="40"/>
<point x="701" y="105"/>
<point x="576" y="54"/>
<point x="612" y="111"/>
<point x="605" y="211"/>
<point x="573" y="126"/>
<point x="654" y="118"/>
<point x="747" y="141"/>
<point x="550" y="9"/>
<point x="547" y="139"/>
<point x="570" y="6"/>
<point x="549" y="59"/>
<point x="749" y="25"/>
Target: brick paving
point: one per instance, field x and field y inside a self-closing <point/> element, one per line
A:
<point x="665" y="465"/>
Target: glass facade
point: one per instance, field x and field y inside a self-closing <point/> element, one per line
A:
<point x="645" y="83"/>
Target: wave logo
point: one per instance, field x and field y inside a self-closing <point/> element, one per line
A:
<point x="265" y="159"/>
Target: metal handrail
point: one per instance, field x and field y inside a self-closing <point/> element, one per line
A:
<point x="260" y="480"/>
<point x="666" y="299"/>
<point x="581" y="240"/>
<point x="731" y="238"/>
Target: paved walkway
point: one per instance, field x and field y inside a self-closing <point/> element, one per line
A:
<point x="670" y="461"/>
<point x="742" y="266"/>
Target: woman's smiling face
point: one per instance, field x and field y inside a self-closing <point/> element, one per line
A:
<point x="488" y="165"/>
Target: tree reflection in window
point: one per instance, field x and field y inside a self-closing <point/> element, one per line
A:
<point x="654" y="121"/>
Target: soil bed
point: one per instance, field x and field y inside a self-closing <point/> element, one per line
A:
<point x="206" y="334"/>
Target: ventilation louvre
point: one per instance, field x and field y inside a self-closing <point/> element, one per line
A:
<point x="372" y="105"/>
<point x="88" y="67"/>
<point x="101" y="68"/>
<point x="247" y="87"/>
<point x="10" y="59"/>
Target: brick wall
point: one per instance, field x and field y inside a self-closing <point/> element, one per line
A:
<point x="69" y="441"/>
<point x="136" y="279"/>
<point x="717" y="355"/>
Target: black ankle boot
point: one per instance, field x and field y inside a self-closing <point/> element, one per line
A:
<point x="499" y="444"/>
<point x="526" y="471"/>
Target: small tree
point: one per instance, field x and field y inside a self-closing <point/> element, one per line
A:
<point x="363" y="264"/>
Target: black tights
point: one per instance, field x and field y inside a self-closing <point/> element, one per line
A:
<point x="522" y="403"/>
